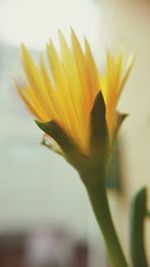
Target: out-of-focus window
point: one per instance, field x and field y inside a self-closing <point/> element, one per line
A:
<point x="38" y="188"/>
<point x="34" y="22"/>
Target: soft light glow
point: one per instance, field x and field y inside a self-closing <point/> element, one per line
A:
<point x="34" y="22"/>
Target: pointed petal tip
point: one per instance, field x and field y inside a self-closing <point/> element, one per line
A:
<point x="23" y="49"/>
<point x="24" y="52"/>
<point x="73" y="35"/>
<point x="71" y="29"/>
<point x="61" y="37"/>
<point x="60" y="33"/>
<point x="22" y="45"/>
<point x="87" y="46"/>
<point x="50" y="42"/>
<point x="86" y="43"/>
<point x="131" y="59"/>
<point x="49" y="46"/>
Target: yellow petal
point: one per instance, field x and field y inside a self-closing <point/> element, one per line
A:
<point x="83" y="74"/>
<point x="74" y="86"/>
<point x="35" y="81"/>
<point x="92" y="72"/>
<point x="128" y="70"/>
<point x="55" y="110"/>
<point x="61" y="88"/>
<point x="35" y="109"/>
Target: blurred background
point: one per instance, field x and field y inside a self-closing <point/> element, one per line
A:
<point x="45" y="216"/>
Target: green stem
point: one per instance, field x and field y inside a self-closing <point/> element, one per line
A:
<point x="99" y="202"/>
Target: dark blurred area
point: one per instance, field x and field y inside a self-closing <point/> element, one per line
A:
<point x="42" y="248"/>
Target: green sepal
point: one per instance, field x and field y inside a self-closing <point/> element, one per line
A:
<point x="121" y="118"/>
<point x="138" y="215"/>
<point x="99" y="139"/>
<point x="71" y="150"/>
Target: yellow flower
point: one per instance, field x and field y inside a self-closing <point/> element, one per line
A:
<point x="67" y="94"/>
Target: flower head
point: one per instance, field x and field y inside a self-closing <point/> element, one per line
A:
<point x="68" y="93"/>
